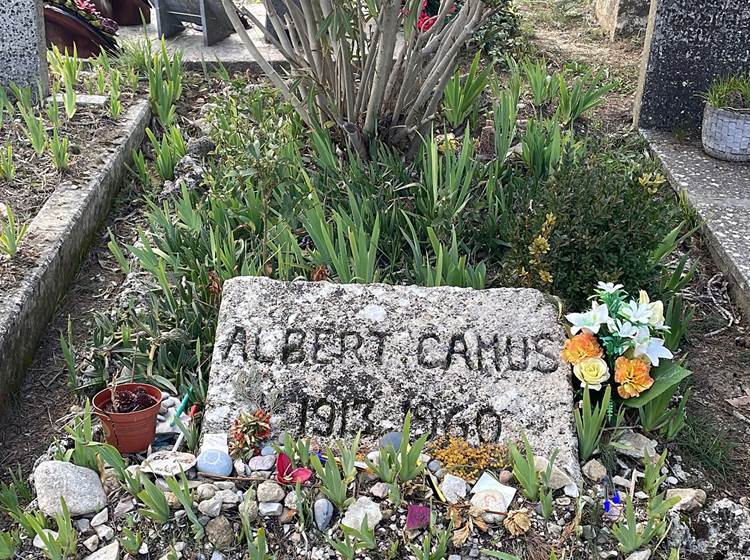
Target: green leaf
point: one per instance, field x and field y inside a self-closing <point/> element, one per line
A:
<point x="666" y="376"/>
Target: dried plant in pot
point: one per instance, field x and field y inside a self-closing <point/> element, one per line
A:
<point x="128" y="413"/>
<point x="726" y="119"/>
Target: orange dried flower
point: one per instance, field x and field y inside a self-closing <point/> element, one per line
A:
<point x="580" y="347"/>
<point x="633" y="377"/>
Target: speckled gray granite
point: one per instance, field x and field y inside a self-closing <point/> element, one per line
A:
<point x="720" y="192"/>
<point x="58" y="237"/>
<point x="23" y="50"/>
<point x="345" y="357"/>
<point x="688" y="44"/>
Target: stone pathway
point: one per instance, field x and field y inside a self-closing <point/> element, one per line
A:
<point x="720" y="193"/>
<point x="230" y="52"/>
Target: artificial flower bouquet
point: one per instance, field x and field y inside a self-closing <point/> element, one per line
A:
<point x="626" y="337"/>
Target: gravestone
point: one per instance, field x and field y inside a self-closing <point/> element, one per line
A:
<point x="622" y="18"/>
<point x="23" y="49"/>
<point x="208" y="14"/>
<point x="341" y="358"/>
<point x="689" y="43"/>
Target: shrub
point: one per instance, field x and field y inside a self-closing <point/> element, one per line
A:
<point x="346" y="63"/>
<point x="606" y="224"/>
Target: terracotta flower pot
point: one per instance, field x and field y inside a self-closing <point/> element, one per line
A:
<point x="129" y="432"/>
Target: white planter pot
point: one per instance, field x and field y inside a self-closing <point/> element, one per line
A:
<point x="726" y="134"/>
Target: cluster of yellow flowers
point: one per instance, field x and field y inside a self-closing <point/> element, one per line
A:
<point x="461" y="458"/>
<point x="538" y="248"/>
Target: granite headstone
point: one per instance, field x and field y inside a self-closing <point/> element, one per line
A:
<point x="689" y="43"/>
<point x="23" y="48"/>
<point x="341" y="358"/>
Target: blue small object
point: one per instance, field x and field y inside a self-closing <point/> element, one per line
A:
<point x="616" y="498"/>
<point x="607" y="505"/>
<point x="321" y="457"/>
<point x="215" y="462"/>
<point x="391" y="438"/>
<point x="268" y="450"/>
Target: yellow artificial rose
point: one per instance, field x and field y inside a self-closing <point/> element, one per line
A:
<point x="592" y="372"/>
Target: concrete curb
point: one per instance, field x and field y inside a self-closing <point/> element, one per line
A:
<point x="719" y="192"/>
<point x="60" y="233"/>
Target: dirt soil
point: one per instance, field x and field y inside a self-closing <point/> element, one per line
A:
<point x="31" y="424"/>
<point x="89" y="132"/>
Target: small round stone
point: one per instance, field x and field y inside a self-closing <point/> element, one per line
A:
<point x="391" y="438"/>
<point x="215" y="462"/>
<point x="323" y="513"/>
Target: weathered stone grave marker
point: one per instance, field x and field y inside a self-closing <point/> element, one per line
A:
<point x="689" y="43"/>
<point x="23" y="49"/>
<point x="342" y="358"/>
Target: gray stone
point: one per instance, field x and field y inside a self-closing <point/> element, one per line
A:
<point x="92" y="543"/>
<point x="380" y="490"/>
<point x="454" y="488"/>
<point x="633" y="444"/>
<point x="323" y="513"/>
<point x="270" y="509"/>
<point x="200" y="147"/>
<point x="82" y="525"/>
<point x="104" y="532"/>
<point x="239" y="467"/>
<point x="404" y="347"/>
<point x="355" y="514"/>
<point x="262" y="463"/>
<point x="100" y="518"/>
<point x="691" y="499"/>
<point x="205" y="492"/>
<point x="594" y="470"/>
<point x="558" y="478"/>
<point x="248" y="508"/>
<point x="434" y="465"/>
<point x="268" y="450"/>
<point x="215" y="462"/>
<point x="688" y="45"/>
<point x="220" y="533"/>
<point x="210" y="507"/>
<point x="39" y="543"/>
<point x="78" y="486"/>
<point x="721" y="530"/>
<point x="269" y="491"/>
<point x="109" y="552"/>
<point x="391" y="438"/>
<point x="640" y="555"/>
<point x="23" y="56"/>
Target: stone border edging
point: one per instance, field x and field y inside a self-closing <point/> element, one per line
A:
<point x="719" y="191"/>
<point x="61" y="233"/>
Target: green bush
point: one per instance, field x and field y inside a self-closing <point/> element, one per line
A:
<point x="608" y="217"/>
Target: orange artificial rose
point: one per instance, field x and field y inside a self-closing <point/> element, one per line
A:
<point x="633" y="377"/>
<point x="580" y="347"/>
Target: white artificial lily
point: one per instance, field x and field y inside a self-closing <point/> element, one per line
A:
<point x="626" y="329"/>
<point x="609" y="287"/>
<point x="639" y="313"/>
<point x="652" y="348"/>
<point x="656" y="319"/>
<point x="591" y="320"/>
